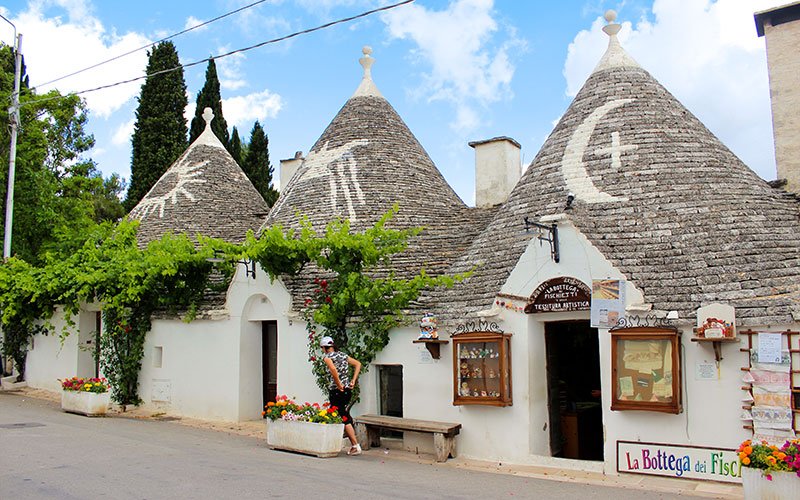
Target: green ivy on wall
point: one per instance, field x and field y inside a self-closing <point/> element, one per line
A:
<point x="357" y="305"/>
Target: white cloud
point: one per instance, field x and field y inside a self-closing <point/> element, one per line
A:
<point x="229" y="69"/>
<point x="192" y="21"/>
<point x="475" y="71"/>
<point x="83" y="34"/>
<point x="242" y="110"/>
<point x="708" y="55"/>
<point x="122" y="136"/>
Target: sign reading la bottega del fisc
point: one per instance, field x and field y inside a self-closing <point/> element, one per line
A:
<point x="680" y="461"/>
<point x="561" y="294"/>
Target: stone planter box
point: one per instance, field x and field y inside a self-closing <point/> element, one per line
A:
<point x="784" y="485"/>
<point x="321" y="440"/>
<point x="8" y="384"/>
<point x="91" y="404"/>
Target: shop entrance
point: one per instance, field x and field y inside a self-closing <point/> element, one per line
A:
<point x="573" y="390"/>
<point x="269" y="360"/>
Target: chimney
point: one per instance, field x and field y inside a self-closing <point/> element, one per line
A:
<point x="497" y="170"/>
<point x="288" y="168"/>
<point x="781" y="28"/>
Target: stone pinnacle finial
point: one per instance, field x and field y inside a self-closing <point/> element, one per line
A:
<point x="208" y="115"/>
<point x="367" y="61"/>
<point x="612" y="28"/>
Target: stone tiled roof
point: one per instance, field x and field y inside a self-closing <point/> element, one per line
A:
<point x="204" y="192"/>
<point x="365" y="161"/>
<point x="659" y="195"/>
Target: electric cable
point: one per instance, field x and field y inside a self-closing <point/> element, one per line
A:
<point x="220" y="56"/>
<point x="153" y="43"/>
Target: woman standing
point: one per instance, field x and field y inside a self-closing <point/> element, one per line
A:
<point x="341" y="386"/>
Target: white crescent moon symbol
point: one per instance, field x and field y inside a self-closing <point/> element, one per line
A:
<point x="572" y="168"/>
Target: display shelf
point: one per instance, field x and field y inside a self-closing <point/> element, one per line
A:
<point x="433" y="346"/>
<point x="717" y="344"/>
<point x="481" y="369"/>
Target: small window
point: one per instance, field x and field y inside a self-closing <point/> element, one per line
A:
<point x="645" y="370"/>
<point x="158" y="356"/>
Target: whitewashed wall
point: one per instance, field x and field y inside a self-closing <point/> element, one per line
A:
<point x="51" y="359"/>
<point x="211" y="369"/>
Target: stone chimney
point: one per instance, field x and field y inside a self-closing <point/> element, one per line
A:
<point x="497" y="170"/>
<point x="288" y="168"/>
<point x="781" y="28"/>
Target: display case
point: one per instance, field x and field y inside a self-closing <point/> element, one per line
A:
<point x="482" y="369"/>
<point x="645" y="369"/>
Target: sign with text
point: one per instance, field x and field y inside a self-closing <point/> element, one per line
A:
<point x="687" y="462"/>
<point x="560" y="295"/>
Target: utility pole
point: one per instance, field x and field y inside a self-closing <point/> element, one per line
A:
<point x="13" y="118"/>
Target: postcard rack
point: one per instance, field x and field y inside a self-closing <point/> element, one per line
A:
<point x="793" y="344"/>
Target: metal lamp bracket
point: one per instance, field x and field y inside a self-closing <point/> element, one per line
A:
<point x="545" y="232"/>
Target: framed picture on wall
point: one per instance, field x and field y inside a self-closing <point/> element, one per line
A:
<point x="645" y="369"/>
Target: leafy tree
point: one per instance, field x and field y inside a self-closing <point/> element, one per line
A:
<point x="159" y="134"/>
<point x="210" y="97"/>
<point x="256" y="164"/>
<point x="236" y="147"/>
<point x="57" y="189"/>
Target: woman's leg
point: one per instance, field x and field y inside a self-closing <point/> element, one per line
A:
<point x="351" y="434"/>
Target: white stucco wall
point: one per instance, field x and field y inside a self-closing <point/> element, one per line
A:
<point x="212" y="369"/>
<point x="50" y="359"/>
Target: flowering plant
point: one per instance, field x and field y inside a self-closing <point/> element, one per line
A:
<point x="771" y="458"/>
<point x="284" y="408"/>
<point x="98" y="385"/>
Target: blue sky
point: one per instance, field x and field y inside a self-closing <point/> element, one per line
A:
<point x="455" y="70"/>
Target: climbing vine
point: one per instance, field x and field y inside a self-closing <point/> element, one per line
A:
<point x="361" y="300"/>
<point x="357" y="305"/>
<point x="131" y="283"/>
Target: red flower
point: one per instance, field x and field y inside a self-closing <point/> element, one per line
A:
<point x="328" y="300"/>
<point x="344" y="419"/>
<point x="312" y="358"/>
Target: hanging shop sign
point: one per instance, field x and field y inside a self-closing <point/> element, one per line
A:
<point x="561" y="294"/>
<point x="685" y="462"/>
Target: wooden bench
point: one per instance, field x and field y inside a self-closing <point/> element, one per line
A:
<point x="444" y="433"/>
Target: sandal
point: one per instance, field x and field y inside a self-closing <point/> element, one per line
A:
<point x="354" y="450"/>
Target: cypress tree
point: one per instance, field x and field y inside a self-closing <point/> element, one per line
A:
<point x="236" y="147"/>
<point x="159" y="135"/>
<point x="256" y="164"/>
<point x="209" y="97"/>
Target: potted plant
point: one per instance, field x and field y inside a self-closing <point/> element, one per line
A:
<point x="769" y="471"/>
<point x="312" y="429"/>
<point x="88" y="397"/>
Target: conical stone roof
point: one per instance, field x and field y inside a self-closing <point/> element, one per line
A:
<point x="659" y="195"/>
<point x="203" y="192"/>
<point x="365" y="161"/>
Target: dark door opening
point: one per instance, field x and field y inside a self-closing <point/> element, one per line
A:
<point x="573" y="387"/>
<point x="98" y="324"/>
<point x="391" y="394"/>
<point x="269" y="360"/>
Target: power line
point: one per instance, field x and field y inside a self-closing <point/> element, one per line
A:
<point x="153" y="43"/>
<point x="220" y="56"/>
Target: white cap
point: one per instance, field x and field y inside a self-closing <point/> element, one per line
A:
<point x="326" y="342"/>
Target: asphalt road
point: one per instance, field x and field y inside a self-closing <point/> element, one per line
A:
<point x="48" y="454"/>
